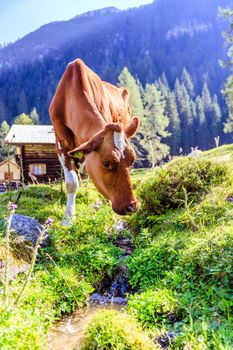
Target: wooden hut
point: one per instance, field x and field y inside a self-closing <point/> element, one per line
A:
<point x="9" y="175"/>
<point x="9" y="171"/>
<point x="35" y="150"/>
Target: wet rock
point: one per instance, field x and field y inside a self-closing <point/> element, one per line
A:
<point x="165" y="340"/>
<point x="125" y="244"/>
<point x="122" y="242"/>
<point x="114" y="290"/>
<point x="229" y="199"/>
<point x="98" y="299"/>
<point x="120" y="226"/>
<point x="173" y="317"/>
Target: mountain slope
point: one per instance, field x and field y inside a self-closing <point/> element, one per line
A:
<point x="165" y="36"/>
<point x="53" y="36"/>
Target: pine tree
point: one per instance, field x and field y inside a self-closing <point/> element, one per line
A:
<point x="228" y="88"/>
<point x="216" y="118"/>
<point x="174" y="123"/>
<point x="186" y="79"/>
<point x="22" y="104"/>
<point x="154" y="124"/>
<point x="35" y="116"/>
<point x="163" y="87"/>
<point x="174" y="141"/>
<point x="228" y="91"/>
<point x="2" y="110"/>
<point x="178" y="94"/>
<point x="23" y="119"/>
<point x="202" y="132"/>
<point x="185" y="109"/>
<point x="128" y="81"/>
<point x="4" y="128"/>
<point x="206" y="97"/>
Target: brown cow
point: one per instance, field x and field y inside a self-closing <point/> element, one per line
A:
<point x="91" y="119"/>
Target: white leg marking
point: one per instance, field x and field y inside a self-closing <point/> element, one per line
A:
<point x="71" y="180"/>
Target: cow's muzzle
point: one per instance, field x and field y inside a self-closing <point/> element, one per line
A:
<point x="129" y="209"/>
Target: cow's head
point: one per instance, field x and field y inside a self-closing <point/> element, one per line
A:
<point x="108" y="158"/>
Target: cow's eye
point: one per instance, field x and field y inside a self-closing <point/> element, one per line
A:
<point x="107" y="164"/>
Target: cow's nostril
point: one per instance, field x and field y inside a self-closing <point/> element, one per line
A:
<point x="131" y="208"/>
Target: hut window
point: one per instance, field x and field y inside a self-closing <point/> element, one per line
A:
<point x="37" y="169"/>
<point x="8" y="176"/>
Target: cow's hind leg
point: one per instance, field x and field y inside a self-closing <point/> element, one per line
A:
<point x="71" y="181"/>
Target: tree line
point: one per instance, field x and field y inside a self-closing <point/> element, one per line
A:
<point x="228" y="88"/>
<point x="173" y="119"/>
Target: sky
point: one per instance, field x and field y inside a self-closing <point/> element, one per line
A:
<point x="20" y="17"/>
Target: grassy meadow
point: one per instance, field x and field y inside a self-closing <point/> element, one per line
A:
<point x="180" y="272"/>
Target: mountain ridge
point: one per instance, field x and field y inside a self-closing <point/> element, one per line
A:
<point x="164" y="36"/>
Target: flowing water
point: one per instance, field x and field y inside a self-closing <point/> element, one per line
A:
<point x="68" y="334"/>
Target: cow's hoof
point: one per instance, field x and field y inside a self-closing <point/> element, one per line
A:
<point x="68" y="221"/>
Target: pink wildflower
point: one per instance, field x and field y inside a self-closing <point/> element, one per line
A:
<point x="49" y="222"/>
<point x="12" y="206"/>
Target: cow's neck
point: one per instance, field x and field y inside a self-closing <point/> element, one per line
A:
<point x="87" y="127"/>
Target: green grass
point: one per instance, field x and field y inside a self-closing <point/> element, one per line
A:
<point x="181" y="271"/>
<point x="81" y="256"/>
<point x="184" y="252"/>
<point x="116" y="331"/>
<point x="222" y="154"/>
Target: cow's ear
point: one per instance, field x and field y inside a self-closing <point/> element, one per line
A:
<point x="89" y="146"/>
<point x="125" y="94"/>
<point x="133" y="127"/>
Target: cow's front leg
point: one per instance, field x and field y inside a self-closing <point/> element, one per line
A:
<point x="71" y="181"/>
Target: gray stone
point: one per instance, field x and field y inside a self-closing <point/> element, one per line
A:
<point x="24" y="235"/>
<point x="120" y="226"/>
<point x="29" y="228"/>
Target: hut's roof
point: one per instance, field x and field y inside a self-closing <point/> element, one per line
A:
<point x="33" y="134"/>
<point x="10" y="161"/>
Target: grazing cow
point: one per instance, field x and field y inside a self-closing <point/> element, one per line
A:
<point x="195" y="152"/>
<point x="92" y="122"/>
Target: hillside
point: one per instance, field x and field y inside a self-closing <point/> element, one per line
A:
<point x="149" y="40"/>
<point x="178" y="264"/>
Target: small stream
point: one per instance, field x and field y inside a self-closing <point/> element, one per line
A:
<point x="68" y="334"/>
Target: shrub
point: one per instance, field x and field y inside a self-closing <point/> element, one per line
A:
<point x="195" y="176"/>
<point x="113" y="330"/>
